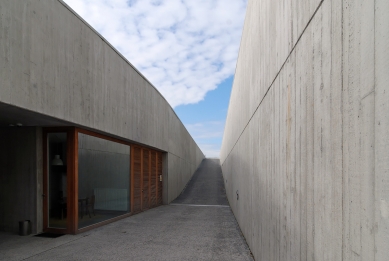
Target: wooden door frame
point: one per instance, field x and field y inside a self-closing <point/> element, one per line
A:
<point x="70" y="165"/>
<point x="150" y="179"/>
<point x="76" y="230"/>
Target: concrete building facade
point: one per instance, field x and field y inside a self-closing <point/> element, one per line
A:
<point x="305" y="150"/>
<point x="57" y="71"/>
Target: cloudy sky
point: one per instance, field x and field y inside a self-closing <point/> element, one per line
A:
<point x="186" y="48"/>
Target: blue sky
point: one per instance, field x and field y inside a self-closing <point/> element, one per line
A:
<point x="186" y="48"/>
<point x="205" y="120"/>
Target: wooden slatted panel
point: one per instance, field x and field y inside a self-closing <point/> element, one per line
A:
<point x="137" y="180"/>
<point x="159" y="173"/>
<point x="145" y="179"/>
<point x="153" y="180"/>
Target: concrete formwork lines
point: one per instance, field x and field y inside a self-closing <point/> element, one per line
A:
<point x="381" y="147"/>
<point x="322" y="160"/>
<point x="336" y="152"/>
<point x="58" y="69"/>
<point x="358" y="118"/>
<point x="300" y="169"/>
<point x="262" y="87"/>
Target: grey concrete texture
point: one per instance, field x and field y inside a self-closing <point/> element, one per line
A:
<point x="206" y="186"/>
<point x="20" y="164"/>
<point x="306" y="137"/>
<point x="169" y="232"/>
<point x="52" y="62"/>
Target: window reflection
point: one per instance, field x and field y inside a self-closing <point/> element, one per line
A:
<point x="103" y="180"/>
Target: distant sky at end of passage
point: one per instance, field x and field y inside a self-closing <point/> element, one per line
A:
<point x="205" y="120"/>
<point x="187" y="49"/>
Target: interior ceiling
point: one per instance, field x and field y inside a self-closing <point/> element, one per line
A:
<point x="13" y="115"/>
<point x="10" y="114"/>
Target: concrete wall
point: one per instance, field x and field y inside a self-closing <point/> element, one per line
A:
<point x="55" y="64"/>
<point x="307" y="134"/>
<point x="20" y="190"/>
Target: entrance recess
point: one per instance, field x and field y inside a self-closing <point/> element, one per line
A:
<point x="91" y="179"/>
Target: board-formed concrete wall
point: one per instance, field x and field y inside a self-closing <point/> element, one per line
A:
<point x="305" y="153"/>
<point x="20" y="178"/>
<point x="53" y="63"/>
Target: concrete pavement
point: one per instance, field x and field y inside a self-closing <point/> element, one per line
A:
<point x="198" y="225"/>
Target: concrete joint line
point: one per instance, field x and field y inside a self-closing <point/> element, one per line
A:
<point x="194" y="205"/>
<point x="53" y="248"/>
<point x="275" y="78"/>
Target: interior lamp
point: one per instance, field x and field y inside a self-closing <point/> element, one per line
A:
<point x="56" y="161"/>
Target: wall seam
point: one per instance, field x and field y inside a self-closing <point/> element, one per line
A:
<point x="272" y="83"/>
<point x="341" y="98"/>
<point x="374" y="133"/>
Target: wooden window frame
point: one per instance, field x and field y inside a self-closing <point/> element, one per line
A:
<point x="72" y="178"/>
<point x="70" y="165"/>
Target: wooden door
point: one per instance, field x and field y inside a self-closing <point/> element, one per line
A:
<point x="153" y="179"/>
<point x="136" y="179"/>
<point x="145" y="179"/>
<point x="159" y="176"/>
<point x="146" y="184"/>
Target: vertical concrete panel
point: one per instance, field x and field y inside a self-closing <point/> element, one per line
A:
<point x="301" y="221"/>
<point x="307" y="80"/>
<point x="358" y="132"/>
<point x="292" y="159"/>
<point x="334" y="35"/>
<point x="18" y="178"/>
<point x="285" y="236"/>
<point x="277" y="154"/>
<point x="255" y="187"/>
<point x="245" y="189"/>
<point x="318" y="123"/>
<point x="381" y="148"/>
<point x="5" y="42"/>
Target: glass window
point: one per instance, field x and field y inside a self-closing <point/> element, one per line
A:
<point x="57" y="185"/>
<point x="103" y="180"/>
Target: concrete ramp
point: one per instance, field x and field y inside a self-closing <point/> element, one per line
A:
<point x="206" y="186"/>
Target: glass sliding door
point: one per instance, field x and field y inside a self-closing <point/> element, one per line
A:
<point x="103" y="180"/>
<point x="57" y="180"/>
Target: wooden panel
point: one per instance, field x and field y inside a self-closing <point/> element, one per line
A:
<point x="159" y="173"/>
<point x="136" y="190"/>
<point x="131" y="180"/>
<point x="146" y="187"/>
<point x="145" y="179"/>
<point x="153" y="179"/>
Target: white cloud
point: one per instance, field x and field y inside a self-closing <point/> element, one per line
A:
<point x="210" y="150"/>
<point x="208" y="136"/>
<point x="185" y="48"/>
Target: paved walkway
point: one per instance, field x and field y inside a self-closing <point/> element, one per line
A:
<point x="198" y="225"/>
